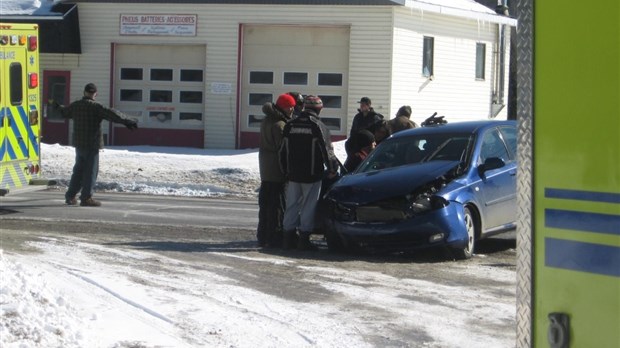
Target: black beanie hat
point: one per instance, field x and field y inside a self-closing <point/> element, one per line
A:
<point x="364" y="138"/>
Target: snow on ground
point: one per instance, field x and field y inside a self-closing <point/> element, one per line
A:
<point x="48" y="301"/>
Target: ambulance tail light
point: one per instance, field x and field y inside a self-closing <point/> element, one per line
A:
<point x="32" y="43"/>
<point x="33" y="80"/>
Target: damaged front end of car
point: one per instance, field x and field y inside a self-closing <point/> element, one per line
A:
<point x="420" y="217"/>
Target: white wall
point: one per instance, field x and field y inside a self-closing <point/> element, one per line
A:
<point x="454" y="90"/>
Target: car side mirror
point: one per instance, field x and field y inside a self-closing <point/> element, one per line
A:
<point x="490" y="164"/>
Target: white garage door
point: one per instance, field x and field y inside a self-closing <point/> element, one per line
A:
<point x="309" y="60"/>
<point x="161" y="86"/>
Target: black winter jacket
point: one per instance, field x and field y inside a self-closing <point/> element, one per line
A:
<point x="307" y="149"/>
<point x="365" y="122"/>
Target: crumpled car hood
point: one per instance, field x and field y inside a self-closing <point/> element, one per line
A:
<point x="372" y="186"/>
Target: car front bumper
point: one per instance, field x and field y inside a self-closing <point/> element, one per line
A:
<point x="439" y="227"/>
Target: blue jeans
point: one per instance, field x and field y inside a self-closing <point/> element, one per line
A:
<point x="84" y="174"/>
<point x="301" y="201"/>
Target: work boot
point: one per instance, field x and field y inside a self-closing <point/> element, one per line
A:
<point x="289" y="240"/>
<point x="303" y="243"/>
<point x="70" y="201"/>
<point x="276" y="239"/>
<point x="90" y="202"/>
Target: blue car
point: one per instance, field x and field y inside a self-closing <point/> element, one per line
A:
<point x="440" y="185"/>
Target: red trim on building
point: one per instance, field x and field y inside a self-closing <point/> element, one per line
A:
<point x="249" y="140"/>
<point x="111" y="101"/>
<point x="239" y="67"/>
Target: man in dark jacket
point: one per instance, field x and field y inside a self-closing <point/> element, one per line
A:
<point x="87" y="115"/>
<point x="402" y="120"/>
<point x="366" y="118"/>
<point x="306" y="154"/>
<point x="271" y="193"/>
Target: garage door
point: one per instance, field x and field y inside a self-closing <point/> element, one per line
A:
<point x="309" y="60"/>
<point x="161" y="86"/>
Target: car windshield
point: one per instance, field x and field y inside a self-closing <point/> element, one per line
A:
<point x="417" y="148"/>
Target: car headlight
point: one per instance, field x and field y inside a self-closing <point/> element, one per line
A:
<point x="423" y="203"/>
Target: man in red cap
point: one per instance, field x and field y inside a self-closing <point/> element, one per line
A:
<point x="271" y="193"/>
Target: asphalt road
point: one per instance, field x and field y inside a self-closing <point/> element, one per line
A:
<point x="48" y="205"/>
<point x="199" y="231"/>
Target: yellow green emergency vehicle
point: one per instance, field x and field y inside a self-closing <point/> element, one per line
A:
<point x="568" y="235"/>
<point x="20" y="106"/>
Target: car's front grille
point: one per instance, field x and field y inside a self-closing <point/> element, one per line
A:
<point x="385" y="211"/>
<point x="375" y="213"/>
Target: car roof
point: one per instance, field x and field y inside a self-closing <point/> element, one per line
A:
<point x="456" y="127"/>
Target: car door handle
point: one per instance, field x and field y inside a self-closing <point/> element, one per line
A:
<point x="512" y="172"/>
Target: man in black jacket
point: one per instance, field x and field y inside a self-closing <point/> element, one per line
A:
<point x="306" y="154"/>
<point x="366" y="118"/>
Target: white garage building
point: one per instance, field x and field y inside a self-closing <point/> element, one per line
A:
<point x="196" y="73"/>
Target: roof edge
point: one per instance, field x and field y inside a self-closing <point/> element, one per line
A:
<point x="486" y="16"/>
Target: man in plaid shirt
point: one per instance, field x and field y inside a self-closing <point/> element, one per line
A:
<point x="87" y="115"/>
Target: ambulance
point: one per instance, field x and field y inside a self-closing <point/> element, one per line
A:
<point x="20" y="106"/>
<point x="568" y="230"/>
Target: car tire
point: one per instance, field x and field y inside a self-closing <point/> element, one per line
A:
<point x="467" y="251"/>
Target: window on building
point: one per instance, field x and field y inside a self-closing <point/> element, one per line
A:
<point x="427" y="58"/>
<point x="133" y="95"/>
<point x="131" y="74"/>
<point x="331" y="101"/>
<point x="480" y="60"/>
<point x="330" y="79"/>
<point x="186" y="117"/>
<point x="260" y="98"/>
<point x="295" y="78"/>
<point x="191" y="75"/>
<point x="56" y="87"/>
<point x="332" y="123"/>
<point x="161" y="96"/>
<point x="190" y="97"/>
<point x="254" y="121"/>
<point x="160" y="116"/>
<point x="261" y="77"/>
<point x="161" y="74"/>
<point x="16" y="83"/>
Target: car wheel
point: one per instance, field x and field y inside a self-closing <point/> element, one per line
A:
<point x="467" y="251"/>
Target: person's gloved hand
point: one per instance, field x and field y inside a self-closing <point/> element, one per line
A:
<point x="131" y="125"/>
<point x="53" y="103"/>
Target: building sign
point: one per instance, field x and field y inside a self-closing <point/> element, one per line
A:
<point x="221" y="88"/>
<point x="158" y="25"/>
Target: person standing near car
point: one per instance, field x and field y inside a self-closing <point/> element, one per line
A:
<point x="87" y="115"/>
<point x="364" y="141"/>
<point x="402" y="120"/>
<point x="271" y="192"/>
<point x="366" y="118"/>
<point x="306" y="155"/>
<point x="299" y="103"/>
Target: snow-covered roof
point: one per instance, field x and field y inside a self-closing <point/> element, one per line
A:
<point x="28" y="7"/>
<point x="460" y="8"/>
